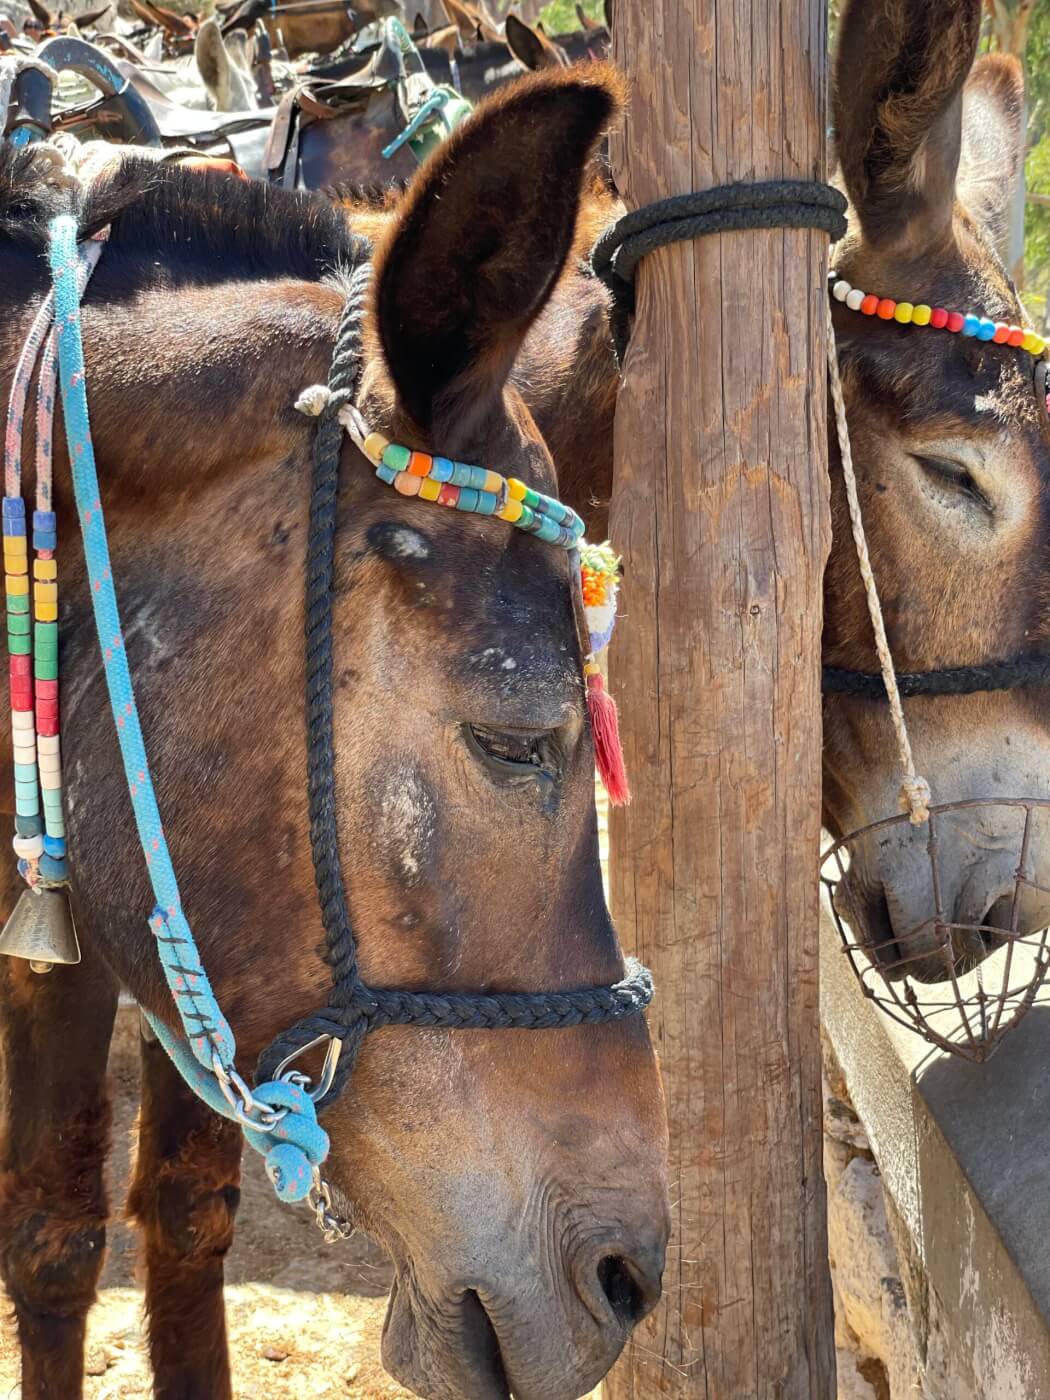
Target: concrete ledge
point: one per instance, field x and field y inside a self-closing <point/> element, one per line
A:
<point x="964" y="1152"/>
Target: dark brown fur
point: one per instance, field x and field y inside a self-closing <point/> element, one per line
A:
<point x="212" y="307"/>
<point x="952" y="447"/>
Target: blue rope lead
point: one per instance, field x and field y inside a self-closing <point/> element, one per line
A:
<point x="297" y="1144"/>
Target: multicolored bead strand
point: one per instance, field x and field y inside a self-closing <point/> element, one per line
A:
<point x="475" y="490"/>
<point x="907" y="313"/>
<point x="32" y="628"/>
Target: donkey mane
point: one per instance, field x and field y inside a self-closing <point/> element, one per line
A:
<point x="211" y="227"/>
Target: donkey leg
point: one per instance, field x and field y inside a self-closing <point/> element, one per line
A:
<point x="54" y="1038"/>
<point x="184" y="1196"/>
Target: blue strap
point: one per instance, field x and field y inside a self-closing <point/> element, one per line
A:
<point x="290" y="1154"/>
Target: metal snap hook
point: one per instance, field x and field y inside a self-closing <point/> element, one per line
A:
<point x="331" y="1060"/>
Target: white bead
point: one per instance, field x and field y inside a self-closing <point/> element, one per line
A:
<point x="23" y="739"/>
<point x="22" y="719"/>
<point x="28" y="847"/>
<point x="47" y="743"/>
<point x="50" y="780"/>
<point x="854" y="299"/>
<point x="841" y="290"/>
<point x="50" y="763"/>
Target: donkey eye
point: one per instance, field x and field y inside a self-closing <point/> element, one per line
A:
<point x="515" y="755"/>
<point x="956" y="476"/>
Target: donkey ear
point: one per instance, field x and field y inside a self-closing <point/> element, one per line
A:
<point x="526" y="46"/>
<point x="900" y="67"/>
<point x="992" y="140"/>
<point x="482" y="238"/>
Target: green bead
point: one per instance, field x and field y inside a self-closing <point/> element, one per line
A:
<point x="18" y="602"/>
<point x="531" y="498"/>
<point x="18" y="625"/>
<point x="396" y="456"/>
<point x="46" y="668"/>
<point x="18" y="646"/>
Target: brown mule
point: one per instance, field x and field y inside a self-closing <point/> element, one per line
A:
<point x="952" y="446"/>
<point x="518" y="1181"/>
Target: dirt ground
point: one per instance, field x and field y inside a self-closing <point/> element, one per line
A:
<point x="304" y="1317"/>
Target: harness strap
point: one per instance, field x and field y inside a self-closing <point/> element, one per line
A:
<point x="292" y="1152"/>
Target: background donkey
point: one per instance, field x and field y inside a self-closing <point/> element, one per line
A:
<point x="518" y="1184"/>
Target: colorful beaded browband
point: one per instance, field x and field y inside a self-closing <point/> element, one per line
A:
<point x="907" y="313"/>
<point x="475" y="490"/>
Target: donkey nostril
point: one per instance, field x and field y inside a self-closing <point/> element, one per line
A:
<point x="625" y="1297"/>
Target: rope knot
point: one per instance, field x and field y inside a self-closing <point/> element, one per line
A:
<point x="313" y="400"/>
<point x="296" y="1146"/>
<point x="915" y="798"/>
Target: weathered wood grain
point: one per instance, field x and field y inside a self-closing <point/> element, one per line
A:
<point x="721" y="511"/>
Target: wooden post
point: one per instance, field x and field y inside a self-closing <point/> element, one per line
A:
<point x="721" y="511"/>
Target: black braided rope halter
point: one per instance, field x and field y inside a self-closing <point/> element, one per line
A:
<point x="952" y="680"/>
<point x="354" y="1008"/>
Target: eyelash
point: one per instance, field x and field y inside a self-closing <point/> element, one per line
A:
<point x="957" y="477"/>
<point x="515" y="756"/>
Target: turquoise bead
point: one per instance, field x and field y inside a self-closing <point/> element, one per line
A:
<point x="549" y="531"/>
<point x="386" y="474"/>
<point x="487" y="503"/>
<point x="25" y="787"/>
<point x="29" y="826"/>
<point x="441" y="469"/>
<point x="396" y="456"/>
<point x="27" y="804"/>
<point x="54" y="846"/>
<point x="985" y="328"/>
<point x="527" y="519"/>
<point x="478" y="477"/>
<point x="970" y="325"/>
<point x="26" y="772"/>
<point x="468" y="499"/>
<point x="460" y="474"/>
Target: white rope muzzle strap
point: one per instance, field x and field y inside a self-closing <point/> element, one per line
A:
<point x="915" y="790"/>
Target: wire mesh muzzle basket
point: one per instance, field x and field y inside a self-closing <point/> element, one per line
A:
<point x="982" y="995"/>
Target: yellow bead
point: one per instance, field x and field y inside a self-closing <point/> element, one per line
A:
<point x="45" y="568"/>
<point x="511" y="511"/>
<point x="45" y="592"/>
<point x="429" y="490"/>
<point x="17" y="585"/>
<point x="16" y="556"/>
<point x="1032" y="342"/>
<point x="920" y="316"/>
<point x="493" y="483"/>
<point x="46" y="612"/>
<point x="1039" y="345"/>
<point x="516" y="490"/>
<point x="374" y="445"/>
<point x="904" y="312"/>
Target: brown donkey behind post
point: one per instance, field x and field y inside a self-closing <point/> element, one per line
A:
<point x="517" y="1180"/>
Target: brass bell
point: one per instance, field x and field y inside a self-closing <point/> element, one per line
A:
<point x="41" y="930"/>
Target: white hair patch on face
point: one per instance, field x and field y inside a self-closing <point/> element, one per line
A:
<point x="406" y="543"/>
<point x="408" y="821"/>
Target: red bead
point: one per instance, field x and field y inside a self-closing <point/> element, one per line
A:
<point x="20" y="665"/>
<point x="939" y="317"/>
<point x="955" y="321"/>
<point x="47" y="690"/>
<point x="448" y="495"/>
<point x="21" y="702"/>
<point x="869" y="304"/>
<point x="46" y="728"/>
<point x="1016" y="336"/>
<point x="886" y="308"/>
<point x="1001" y="332"/>
<point x="46" y="709"/>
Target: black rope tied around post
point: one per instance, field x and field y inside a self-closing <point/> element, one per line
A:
<point x="355" y="1009"/>
<point x="729" y="208"/>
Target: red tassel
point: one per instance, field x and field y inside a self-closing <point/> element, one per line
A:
<point x="608" y="753"/>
